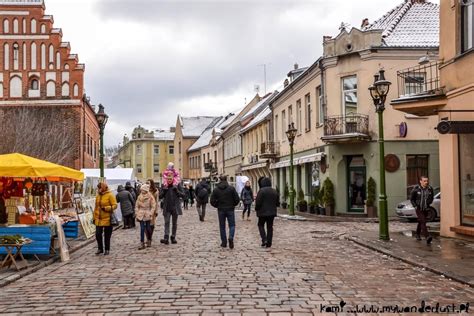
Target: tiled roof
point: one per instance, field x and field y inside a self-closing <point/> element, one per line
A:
<point x="206" y="136"/>
<point x="194" y="126"/>
<point x="259" y="106"/>
<point x="414" y="23"/>
<point x="257" y="119"/>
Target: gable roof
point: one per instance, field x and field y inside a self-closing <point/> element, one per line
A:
<point x="414" y="23"/>
<point x="195" y="125"/>
<point x="206" y="136"/>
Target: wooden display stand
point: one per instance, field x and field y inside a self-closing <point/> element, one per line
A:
<point x="12" y="255"/>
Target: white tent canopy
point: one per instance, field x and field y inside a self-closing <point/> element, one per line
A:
<point x="117" y="175"/>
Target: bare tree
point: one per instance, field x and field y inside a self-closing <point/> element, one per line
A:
<point x="47" y="133"/>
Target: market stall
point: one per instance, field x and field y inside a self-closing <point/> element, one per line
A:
<point x="34" y="194"/>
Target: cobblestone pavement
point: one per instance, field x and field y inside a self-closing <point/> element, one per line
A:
<point x="310" y="267"/>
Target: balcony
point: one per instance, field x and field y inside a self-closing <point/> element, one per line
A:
<point x="210" y="167"/>
<point x="419" y="89"/>
<point x="350" y="128"/>
<point x="269" y="150"/>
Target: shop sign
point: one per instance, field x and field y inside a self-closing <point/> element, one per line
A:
<point x="455" y="127"/>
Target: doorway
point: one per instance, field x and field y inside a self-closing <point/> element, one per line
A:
<point x="356" y="184"/>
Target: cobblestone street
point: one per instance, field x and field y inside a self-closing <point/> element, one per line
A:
<point x="310" y="267"/>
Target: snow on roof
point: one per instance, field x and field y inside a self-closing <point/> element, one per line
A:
<point x="194" y="126"/>
<point x="206" y="136"/>
<point x="161" y="134"/>
<point x="413" y="23"/>
<point x="260" y="105"/>
<point x="21" y="2"/>
<point x="258" y="119"/>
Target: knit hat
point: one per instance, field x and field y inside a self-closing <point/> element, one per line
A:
<point x="145" y="187"/>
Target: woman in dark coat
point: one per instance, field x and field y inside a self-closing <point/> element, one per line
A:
<point x="266" y="208"/>
<point x="127" y="206"/>
<point x="191" y="195"/>
<point x="247" y="198"/>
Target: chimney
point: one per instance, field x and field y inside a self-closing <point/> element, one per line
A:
<point x="365" y="22"/>
<point x="172" y="129"/>
<point x="296" y="66"/>
<point x="326" y="38"/>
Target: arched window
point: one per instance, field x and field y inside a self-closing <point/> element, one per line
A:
<point x="58" y="60"/>
<point x="43" y="56"/>
<point x="34" y="84"/>
<point x="65" y="90"/>
<point x="43" y="29"/>
<point x="15" y="87"/>
<point x="24" y="26"/>
<point x="33" y="55"/>
<point x="50" y="89"/>
<point x="1" y="89"/>
<point x="76" y="90"/>
<point x="66" y="66"/>
<point x="6" y="56"/>
<point x="51" y="54"/>
<point x="24" y="56"/>
<point x="16" y="56"/>
<point x="33" y="26"/>
<point x="15" y="26"/>
<point x="6" y="26"/>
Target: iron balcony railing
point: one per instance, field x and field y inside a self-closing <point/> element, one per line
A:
<point x="346" y="124"/>
<point x="420" y="80"/>
<point x="210" y="166"/>
<point x="269" y="149"/>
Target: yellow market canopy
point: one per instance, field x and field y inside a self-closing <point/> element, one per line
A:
<point x="22" y="166"/>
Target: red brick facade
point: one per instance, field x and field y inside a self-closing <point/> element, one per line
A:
<point x="37" y="70"/>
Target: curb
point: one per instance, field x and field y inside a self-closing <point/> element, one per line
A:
<point x="44" y="264"/>
<point x="411" y="262"/>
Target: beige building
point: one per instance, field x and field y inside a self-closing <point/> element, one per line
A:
<point x="444" y="91"/>
<point x="147" y="152"/>
<point x="331" y="107"/>
<point x="188" y="131"/>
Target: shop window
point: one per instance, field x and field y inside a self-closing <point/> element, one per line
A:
<point x="466" y="175"/>
<point x="139" y="168"/>
<point x="171" y="149"/>
<point x="349" y="94"/>
<point x="467" y="24"/>
<point x="417" y="166"/>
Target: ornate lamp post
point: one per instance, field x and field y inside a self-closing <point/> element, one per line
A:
<point x="378" y="92"/>
<point x="101" y="118"/>
<point x="291" y="134"/>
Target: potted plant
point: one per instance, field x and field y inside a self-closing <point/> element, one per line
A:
<point x="371" y="209"/>
<point x="286" y="194"/>
<point x="302" y="204"/>
<point x="321" y="210"/>
<point x="278" y="192"/>
<point x="328" y="197"/>
<point x="314" y="203"/>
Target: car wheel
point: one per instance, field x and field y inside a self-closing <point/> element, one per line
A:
<point x="430" y="214"/>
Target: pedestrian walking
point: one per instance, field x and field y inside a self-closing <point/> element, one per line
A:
<point x="127" y="206"/>
<point x="105" y="204"/>
<point x="144" y="210"/>
<point x="247" y="199"/>
<point x="186" y="197"/>
<point x="225" y="199"/>
<point x="202" y="198"/>
<point x="266" y="208"/>
<point x="421" y="198"/>
<point x="155" y="192"/>
<point x="171" y="194"/>
<point x="133" y="192"/>
<point x="191" y="195"/>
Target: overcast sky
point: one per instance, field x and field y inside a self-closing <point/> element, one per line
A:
<point x="148" y="60"/>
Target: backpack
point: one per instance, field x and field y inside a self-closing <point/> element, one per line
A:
<point x="202" y="194"/>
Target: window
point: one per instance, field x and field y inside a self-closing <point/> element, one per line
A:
<point x="307" y="101"/>
<point x="466" y="178"/>
<point x="6" y="26"/>
<point x="33" y="26"/>
<point x="15" y="26"/>
<point x="156" y="168"/>
<point x="208" y="160"/>
<point x="203" y="159"/>
<point x="321" y="110"/>
<point x="417" y="165"/>
<point x="43" y="56"/>
<point x="299" y="127"/>
<point x="33" y="56"/>
<point x="50" y="89"/>
<point x="139" y="149"/>
<point x="15" y="87"/>
<point x="34" y="84"/>
<point x="283" y="126"/>
<point x="6" y="56"/>
<point x="139" y="168"/>
<point x="467" y="22"/>
<point x="171" y="149"/>
<point x="290" y="114"/>
<point x="415" y="83"/>
<point x="156" y="149"/>
<point x="16" y="53"/>
<point x="276" y="127"/>
<point x="65" y="90"/>
<point x="349" y="94"/>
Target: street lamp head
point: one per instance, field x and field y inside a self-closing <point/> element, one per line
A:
<point x="382" y="85"/>
<point x="101" y="116"/>
<point x="291" y="132"/>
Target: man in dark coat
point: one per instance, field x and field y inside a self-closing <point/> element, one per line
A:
<point x="421" y="198"/>
<point x="266" y="208"/>
<point x="127" y="206"/>
<point x="202" y="198"/>
<point x="171" y="195"/>
<point x="132" y="191"/>
<point x="225" y="199"/>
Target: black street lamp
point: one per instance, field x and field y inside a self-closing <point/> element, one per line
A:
<point x="101" y="118"/>
<point x="378" y="92"/>
<point x="291" y="134"/>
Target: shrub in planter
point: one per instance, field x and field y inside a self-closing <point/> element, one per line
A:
<point x="313" y="206"/>
<point x="370" y="202"/>
<point x="328" y="197"/>
<point x="302" y="204"/>
<point x="279" y="196"/>
<point x="286" y="194"/>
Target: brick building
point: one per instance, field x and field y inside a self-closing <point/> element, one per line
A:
<point x="42" y="90"/>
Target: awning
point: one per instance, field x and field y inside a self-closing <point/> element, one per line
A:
<point x="254" y="166"/>
<point x="298" y="161"/>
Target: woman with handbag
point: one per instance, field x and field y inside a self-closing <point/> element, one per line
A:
<point x="105" y="204"/>
<point x="145" y="209"/>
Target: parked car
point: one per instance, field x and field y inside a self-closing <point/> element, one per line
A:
<point x="406" y="210"/>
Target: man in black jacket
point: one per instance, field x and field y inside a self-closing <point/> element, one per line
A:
<point x="266" y="208"/>
<point x="421" y="198"/>
<point x="171" y="195"/>
<point x="225" y="199"/>
<point x="202" y="198"/>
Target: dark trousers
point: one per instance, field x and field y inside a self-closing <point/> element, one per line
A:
<point x="246" y="208"/>
<point x="145" y="229"/>
<point x="421" y="228"/>
<point x="185" y="203"/>
<point x="228" y="215"/>
<point x="106" y="231"/>
<point x="201" y="208"/>
<point x="128" y="220"/>
<point x="268" y="236"/>
<point x="171" y="217"/>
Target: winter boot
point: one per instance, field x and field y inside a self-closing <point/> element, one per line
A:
<point x="142" y="246"/>
<point x="173" y="240"/>
<point x="148" y="243"/>
<point x="231" y="243"/>
<point x="165" y="240"/>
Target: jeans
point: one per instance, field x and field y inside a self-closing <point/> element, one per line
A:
<point x="107" y="232"/>
<point x="168" y="218"/>
<point x="268" y="236"/>
<point x="145" y="228"/>
<point x="201" y="208"/>
<point x="421" y="227"/>
<point x="230" y="216"/>
<point x="246" y="208"/>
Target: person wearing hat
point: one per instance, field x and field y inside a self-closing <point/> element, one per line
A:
<point x="105" y="204"/>
<point x="171" y="193"/>
<point x="145" y="209"/>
